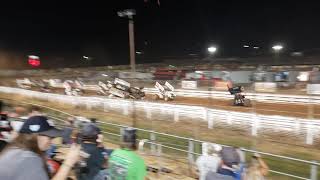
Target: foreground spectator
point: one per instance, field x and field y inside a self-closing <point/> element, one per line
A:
<point x="24" y="158"/>
<point x="93" y="164"/>
<point x="230" y="164"/>
<point x="216" y="176"/>
<point x="257" y="170"/>
<point x="124" y="163"/>
<point x="209" y="162"/>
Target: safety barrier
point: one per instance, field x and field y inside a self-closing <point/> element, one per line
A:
<point x="260" y="97"/>
<point x="306" y="129"/>
<point x="157" y="146"/>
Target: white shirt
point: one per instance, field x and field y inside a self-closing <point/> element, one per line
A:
<point x="206" y="163"/>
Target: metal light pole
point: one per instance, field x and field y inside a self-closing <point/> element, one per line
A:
<point x="277" y="49"/>
<point x="130" y="13"/>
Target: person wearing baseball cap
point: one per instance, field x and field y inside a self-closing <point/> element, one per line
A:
<point x="24" y="158"/>
<point x="89" y="143"/>
<point x="124" y="163"/>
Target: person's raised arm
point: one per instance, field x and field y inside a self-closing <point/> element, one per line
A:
<point x="71" y="159"/>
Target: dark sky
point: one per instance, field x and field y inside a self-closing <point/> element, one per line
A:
<point x="176" y="28"/>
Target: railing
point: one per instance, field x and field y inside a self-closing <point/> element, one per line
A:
<point x="306" y="129"/>
<point x="260" y="97"/>
<point x="156" y="146"/>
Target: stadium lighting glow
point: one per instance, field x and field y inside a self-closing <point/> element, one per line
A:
<point x="138" y="52"/>
<point x="246" y="46"/>
<point x="256" y="47"/>
<point x="85" y="57"/>
<point x="212" y="49"/>
<point x="277" y="48"/>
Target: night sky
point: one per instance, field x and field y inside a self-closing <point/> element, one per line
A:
<point x="67" y="31"/>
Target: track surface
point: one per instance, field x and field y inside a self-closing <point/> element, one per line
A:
<point x="292" y="110"/>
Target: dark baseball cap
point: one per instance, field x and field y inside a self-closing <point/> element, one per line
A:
<point x="40" y="125"/>
<point x="90" y="130"/>
<point x="129" y="135"/>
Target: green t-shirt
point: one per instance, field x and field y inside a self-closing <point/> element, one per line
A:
<point x="126" y="165"/>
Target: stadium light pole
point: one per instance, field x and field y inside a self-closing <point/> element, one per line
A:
<point x="212" y="50"/>
<point x="129" y="13"/>
<point x="277" y="49"/>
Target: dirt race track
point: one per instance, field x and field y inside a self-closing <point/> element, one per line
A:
<point x="292" y="110"/>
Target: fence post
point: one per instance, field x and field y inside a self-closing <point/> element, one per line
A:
<point x="190" y="151"/>
<point x="176" y="115"/>
<point x="121" y="134"/>
<point x="88" y="104"/>
<point x="229" y="118"/>
<point x="309" y="139"/>
<point x="159" y="150"/>
<point x="242" y="155"/>
<point x="255" y="125"/>
<point x="105" y="107"/>
<point x="125" y="109"/>
<point x="314" y="172"/>
<point x="153" y="139"/>
<point x="210" y="123"/>
<point x="148" y="111"/>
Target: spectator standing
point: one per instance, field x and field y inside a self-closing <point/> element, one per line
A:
<point x="67" y="132"/>
<point x="124" y="163"/>
<point x="216" y="176"/>
<point x="34" y="111"/>
<point x="89" y="135"/>
<point x="24" y="157"/>
<point x="257" y="170"/>
<point x="230" y="162"/>
<point x="209" y="162"/>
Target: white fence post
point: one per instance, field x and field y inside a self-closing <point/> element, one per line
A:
<point x="153" y="139"/>
<point x="255" y="125"/>
<point x="121" y="134"/>
<point x="105" y="107"/>
<point x="310" y="134"/>
<point x="176" y="115"/>
<point x="208" y="118"/>
<point x="125" y="109"/>
<point x="88" y="105"/>
<point x="210" y="122"/>
<point x="190" y="151"/>
<point x="159" y="150"/>
<point x="229" y="117"/>
<point x="147" y="109"/>
<point x="314" y="172"/>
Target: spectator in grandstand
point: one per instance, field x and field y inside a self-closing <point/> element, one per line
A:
<point x="24" y="157"/>
<point x="67" y="131"/>
<point x="5" y="128"/>
<point x="230" y="162"/>
<point x="216" y="176"/>
<point x="257" y="169"/>
<point x="124" y="163"/>
<point x="209" y="161"/>
<point x="18" y="112"/>
<point x="94" y="163"/>
<point x="34" y="111"/>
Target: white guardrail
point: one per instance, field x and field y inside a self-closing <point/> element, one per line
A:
<point x="260" y="97"/>
<point x="306" y="129"/>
